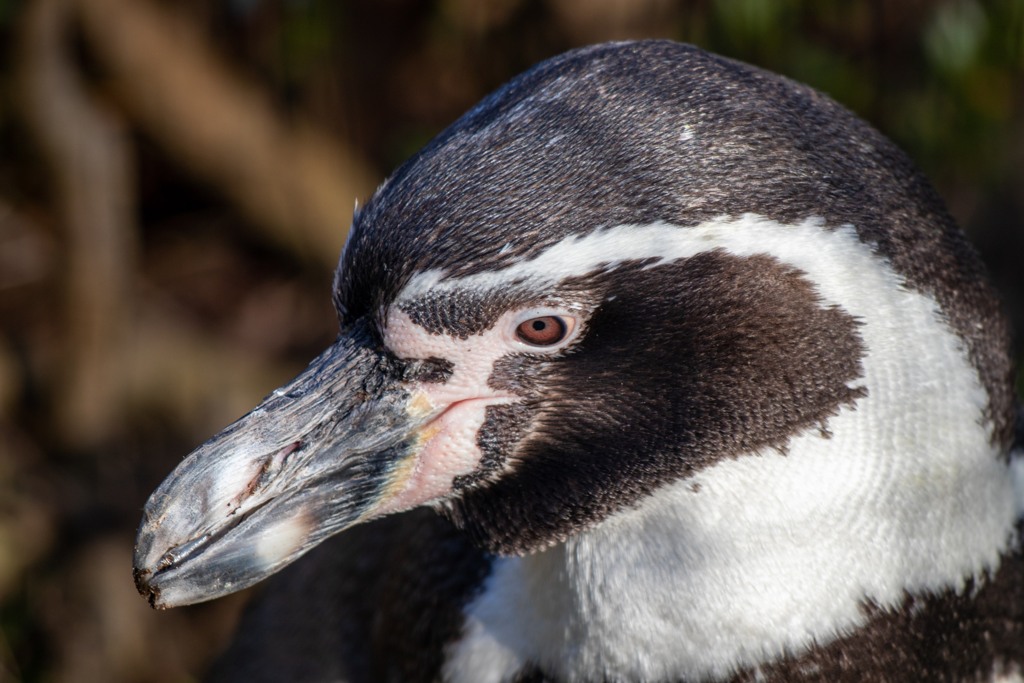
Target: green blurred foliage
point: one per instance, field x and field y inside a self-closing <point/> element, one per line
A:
<point x="7" y="12"/>
<point x="944" y="78"/>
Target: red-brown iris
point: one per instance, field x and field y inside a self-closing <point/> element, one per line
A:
<point x="543" y="331"/>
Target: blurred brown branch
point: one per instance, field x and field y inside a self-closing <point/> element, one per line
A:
<point x="296" y="184"/>
<point x="90" y="160"/>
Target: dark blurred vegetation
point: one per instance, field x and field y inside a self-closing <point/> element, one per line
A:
<point x="176" y="179"/>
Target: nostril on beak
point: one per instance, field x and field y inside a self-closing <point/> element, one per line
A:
<point x="279" y="458"/>
<point x="269" y="468"/>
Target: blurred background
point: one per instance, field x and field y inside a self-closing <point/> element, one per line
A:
<point x="176" y="181"/>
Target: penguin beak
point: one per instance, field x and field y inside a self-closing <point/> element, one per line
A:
<point x="329" y="450"/>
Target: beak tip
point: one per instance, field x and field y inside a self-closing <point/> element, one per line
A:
<point x="146" y="589"/>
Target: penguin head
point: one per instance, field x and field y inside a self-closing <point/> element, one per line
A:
<point x="629" y="264"/>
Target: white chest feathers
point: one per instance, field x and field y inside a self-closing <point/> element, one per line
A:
<point x="765" y="554"/>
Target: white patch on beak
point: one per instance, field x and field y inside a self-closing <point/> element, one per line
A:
<point x="283" y="538"/>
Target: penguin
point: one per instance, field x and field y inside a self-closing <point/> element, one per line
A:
<point x="654" y="366"/>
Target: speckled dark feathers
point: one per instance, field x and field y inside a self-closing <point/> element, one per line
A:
<point x="503" y="427"/>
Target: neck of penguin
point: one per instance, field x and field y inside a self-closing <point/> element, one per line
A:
<point x="732" y="569"/>
<point x="766" y="554"/>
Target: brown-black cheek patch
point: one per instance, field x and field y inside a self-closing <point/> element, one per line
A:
<point x="521" y="374"/>
<point x="704" y="358"/>
<point x="503" y="428"/>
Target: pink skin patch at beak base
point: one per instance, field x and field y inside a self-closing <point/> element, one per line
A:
<point x="449" y="441"/>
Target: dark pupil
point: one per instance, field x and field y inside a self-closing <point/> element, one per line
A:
<point x="539" y="325"/>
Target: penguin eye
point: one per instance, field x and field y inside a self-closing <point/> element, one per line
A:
<point x="543" y="331"/>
